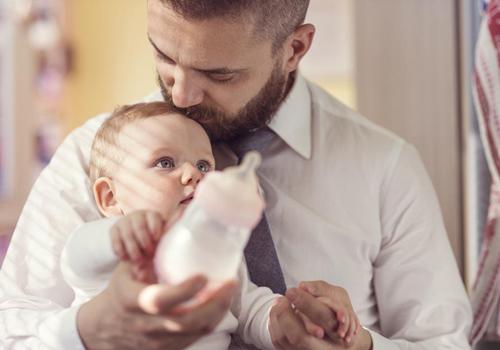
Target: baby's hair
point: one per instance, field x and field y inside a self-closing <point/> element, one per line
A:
<point x="105" y="155"/>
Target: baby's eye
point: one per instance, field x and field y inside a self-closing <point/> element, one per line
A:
<point x="165" y="163"/>
<point x="203" y="166"/>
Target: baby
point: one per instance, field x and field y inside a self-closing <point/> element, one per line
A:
<point x="146" y="162"/>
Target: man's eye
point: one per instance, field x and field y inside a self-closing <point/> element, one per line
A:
<point x="164" y="58"/>
<point x="221" y="78"/>
<point x="165" y="163"/>
<point x="203" y="166"/>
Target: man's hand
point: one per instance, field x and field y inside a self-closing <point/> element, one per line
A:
<point x="133" y="315"/>
<point x="295" y="327"/>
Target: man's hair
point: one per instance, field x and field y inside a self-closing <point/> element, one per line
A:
<point x="105" y="154"/>
<point x="273" y="19"/>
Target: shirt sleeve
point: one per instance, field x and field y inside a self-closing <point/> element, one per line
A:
<point x="88" y="259"/>
<point x="421" y="299"/>
<point x="251" y="308"/>
<point x="35" y="301"/>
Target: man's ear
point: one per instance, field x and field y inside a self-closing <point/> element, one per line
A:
<point x="104" y="193"/>
<point x="297" y="45"/>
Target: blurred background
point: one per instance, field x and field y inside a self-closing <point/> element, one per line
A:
<point x="404" y="64"/>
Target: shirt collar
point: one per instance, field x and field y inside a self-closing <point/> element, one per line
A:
<point x="293" y="120"/>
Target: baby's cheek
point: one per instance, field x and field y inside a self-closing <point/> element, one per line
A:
<point x="165" y="201"/>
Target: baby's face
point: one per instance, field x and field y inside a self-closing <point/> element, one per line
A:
<point x="164" y="159"/>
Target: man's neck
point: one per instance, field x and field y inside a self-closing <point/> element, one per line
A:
<point x="289" y="84"/>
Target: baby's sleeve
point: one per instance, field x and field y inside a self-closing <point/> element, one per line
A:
<point x="88" y="259"/>
<point x="251" y="307"/>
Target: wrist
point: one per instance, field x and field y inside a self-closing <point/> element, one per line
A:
<point x="87" y="323"/>
<point x="365" y="340"/>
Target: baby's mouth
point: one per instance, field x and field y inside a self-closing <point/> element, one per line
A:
<point x="188" y="199"/>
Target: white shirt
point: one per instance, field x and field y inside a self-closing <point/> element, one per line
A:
<point x="347" y="202"/>
<point x="88" y="261"/>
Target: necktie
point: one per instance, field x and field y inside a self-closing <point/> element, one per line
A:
<point x="260" y="253"/>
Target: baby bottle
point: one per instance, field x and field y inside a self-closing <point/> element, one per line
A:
<point x="210" y="237"/>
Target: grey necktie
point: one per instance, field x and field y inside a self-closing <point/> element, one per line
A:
<point x="260" y="253"/>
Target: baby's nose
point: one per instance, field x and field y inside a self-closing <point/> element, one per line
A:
<point x="191" y="175"/>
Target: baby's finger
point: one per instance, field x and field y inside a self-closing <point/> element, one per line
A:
<point x="313" y="308"/>
<point x="336" y="307"/>
<point x="141" y="232"/>
<point x="156" y="224"/>
<point x="311" y="328"/>
<point x="117" y="244"/>
<point x="342" y="316"/>
<point x="351" y="329"/>
<point x="131" y="246"/>
<point x="343" y="328"/>
<point x="145" y="241"/>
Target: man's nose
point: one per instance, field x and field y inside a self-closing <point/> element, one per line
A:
<point x="190" y="175"/>
<point x="185" y="92"/>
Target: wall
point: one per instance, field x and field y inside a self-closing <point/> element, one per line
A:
<point x="408" y="81"/>
<point x="113" y="60"/>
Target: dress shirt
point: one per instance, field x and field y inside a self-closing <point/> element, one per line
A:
<point x="347" y="202"/>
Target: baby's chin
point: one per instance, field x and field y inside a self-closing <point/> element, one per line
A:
<point x="173" y="217"/>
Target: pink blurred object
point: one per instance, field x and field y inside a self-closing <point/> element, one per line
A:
<point x="486" y="293"/>
<point x="229" y="201"/>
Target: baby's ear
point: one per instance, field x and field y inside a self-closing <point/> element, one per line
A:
<point x="105" y="198"/>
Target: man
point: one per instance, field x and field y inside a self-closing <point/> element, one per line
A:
<point x="349" y="205"/>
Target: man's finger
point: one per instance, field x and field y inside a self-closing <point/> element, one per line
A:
<point x="159" y="298"/>
<point x="317" y="288"/>
<point x="205" y="316"/>
<point x="319" y="313"/>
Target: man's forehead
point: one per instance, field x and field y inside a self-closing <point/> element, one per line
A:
<point x="199" y="42"/>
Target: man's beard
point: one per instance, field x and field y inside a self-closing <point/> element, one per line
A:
<point x="254" y="115"/>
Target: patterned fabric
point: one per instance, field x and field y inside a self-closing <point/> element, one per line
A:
<point x="486" y="294"/>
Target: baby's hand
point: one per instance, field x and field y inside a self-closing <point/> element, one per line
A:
<point x="134" y="236"/>
<point x="337" y="299"/>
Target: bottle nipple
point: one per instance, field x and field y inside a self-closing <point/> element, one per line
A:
<point x="251" y="161"/>
<point x="232" y="196"/>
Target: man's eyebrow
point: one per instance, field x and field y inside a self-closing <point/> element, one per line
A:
<point x="157" y="49"/>
<point x="222" y="70"/>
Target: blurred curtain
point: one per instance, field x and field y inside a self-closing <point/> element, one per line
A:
<point x="486" y="90"/>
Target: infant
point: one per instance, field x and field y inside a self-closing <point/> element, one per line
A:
<point x="146" y="162"/>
